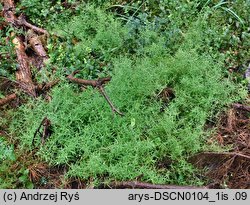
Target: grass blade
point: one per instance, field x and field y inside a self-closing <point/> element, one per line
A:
<point x="233" y="14"/>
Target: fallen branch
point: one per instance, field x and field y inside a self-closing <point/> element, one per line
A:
<point x="7" y="99"/>
<point x="98" y="84"/>
<point x="242" y="107"/>
<point x="23" y="73"/>
<point x="143" y="185"/>
<point x="9" y="14"/>
<point x="8" y="11"/>
<point x="10" y="17"/>
<point x="21" y="21"/>
<point x="93" y="83"/>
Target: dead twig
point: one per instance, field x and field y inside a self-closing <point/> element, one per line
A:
<point x="113" y="108"/>
<point x="7" y="99"/>
<point x="144" y="185"/>
<point x="99" y="85"/>
<point x="21" y="21"/>
<point x="93" y="83"/>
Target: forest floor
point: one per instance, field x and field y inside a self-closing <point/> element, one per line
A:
<point x="124" y="94"/>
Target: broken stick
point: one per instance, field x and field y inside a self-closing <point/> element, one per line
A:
<point x="21" y="21"/>
<point x="99" y="85"/>
<point x="7" y="99"/>
<point x="93" y="83"/>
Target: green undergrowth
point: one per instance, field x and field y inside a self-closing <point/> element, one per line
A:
<point x="97" y="144"/>
<point x="146" y="47"/>
<point x="12" y="174"/>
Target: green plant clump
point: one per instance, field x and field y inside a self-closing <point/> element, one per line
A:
<point x="11" y="175"/>
<point x="95" y="143"/>
<point x="146" y="46"/>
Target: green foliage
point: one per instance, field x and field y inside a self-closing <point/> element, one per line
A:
<point x="146" y="46"/>
<point x="7" y="152"/>
<point x="46" y="13"/>
<point x="7" y="56"/>
<point x="229" y="31"/>
<point x="89" y="45"/>
<point x="227" y="28"/>
<point x="11" y="176"/>
<point x="94" y="143"/>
